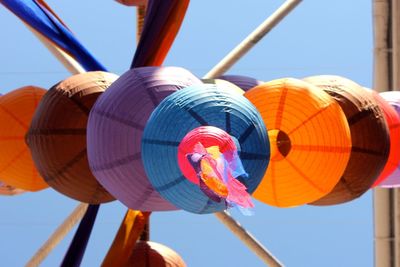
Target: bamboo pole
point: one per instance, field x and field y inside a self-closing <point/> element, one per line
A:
<point x="248" y="239"/>
<point x="58" y="235"/>
<point x="252" y="39"/>
<point x="227" y="62"/>
<point x="386" y="77"/>
<point x="395" y="38"/>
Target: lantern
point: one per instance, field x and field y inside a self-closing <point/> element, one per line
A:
<point x="182" y="112"/>
<point x="393" y="180"/>
<point x="151" y="254"/>
<point x="16" y="166"/>
<point x="244" y="82"/>
<point x="310" y="141"/>
<point x="57" y="136"/>
<point x="369" y="137"/>
<point x="115" y="128"/>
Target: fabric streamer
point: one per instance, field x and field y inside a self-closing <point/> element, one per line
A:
<point x="16" y="165"/>
<point x="126" y="238"/>
<point x="161" y="25"/>
<point x="57" y="136"/>
<point x="216" y="176"/>
<point x="76" y="250"/>
<point x="115" y="128"/>
<point x="38" y="15"/>
<point x="310" y="142"/>
<point x="151" y="254"/>
<point x="195" y="106"/>
<point x="393" y="122"/>
<point x="244" y="82"/>
<point x="393" y="180"/>
<point x="369" y="137"/>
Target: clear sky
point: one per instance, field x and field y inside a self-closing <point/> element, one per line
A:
<point x="318" y="37"/>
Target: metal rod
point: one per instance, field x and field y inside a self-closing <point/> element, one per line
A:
<point x="58" y="235"/>
<point x="254" y="37"/>
<point x="248" y="239"/>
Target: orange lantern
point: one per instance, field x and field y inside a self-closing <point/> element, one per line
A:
<point x="151" y="254"/>
<point x="16" y="111"/>
<point x="57" y="136"/>
<point x="369" y="136"/>
<point x="310" y="141"/>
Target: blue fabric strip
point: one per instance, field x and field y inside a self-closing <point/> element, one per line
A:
<point x="43" y="21"/>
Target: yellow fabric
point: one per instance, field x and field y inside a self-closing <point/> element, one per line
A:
<point x="125" y="240"/>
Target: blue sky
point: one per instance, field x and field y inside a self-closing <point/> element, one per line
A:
<point x="316" y="38"/>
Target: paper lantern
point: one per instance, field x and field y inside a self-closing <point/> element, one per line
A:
<point x="185" y="110"/>
<point x="57" y="136"/>
<point x="310" y="141"/>
<point x="7" y="190"/>
<point x="244" y="82"/>
<point x="393" y="123"/>
<point x="393" y="180"/>
<point x="225" y="84"/>
<point x="115" y="128"/>
<point x="16" y="166"/>
<point x="369" y="135"/>
<point x="133" y="2"/>
<point x="151" y="254"/>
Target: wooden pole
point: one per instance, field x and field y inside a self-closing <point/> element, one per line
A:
<point x="395" y="39"/>
<point x="58" y="235"/>
<point x="387" y="78"/>
<point x="241" y="49"/>
<point x="248" y="239"/>
<point x="227" y="62"/>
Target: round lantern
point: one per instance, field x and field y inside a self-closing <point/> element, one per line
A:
<point x="151" y="254"/>
<point x="369" y="136"/>
<point x="16" y="166"/>
<point x="393" y="122"/>
<point x="115" y="128"/>
<point x="310" y="141"/>
<point x="186" y="110"/>
<point x="57" y="136"/>
<point x="244" y="82"/>
<point x="225" y="84"/>
<point x="393" y="180"/>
